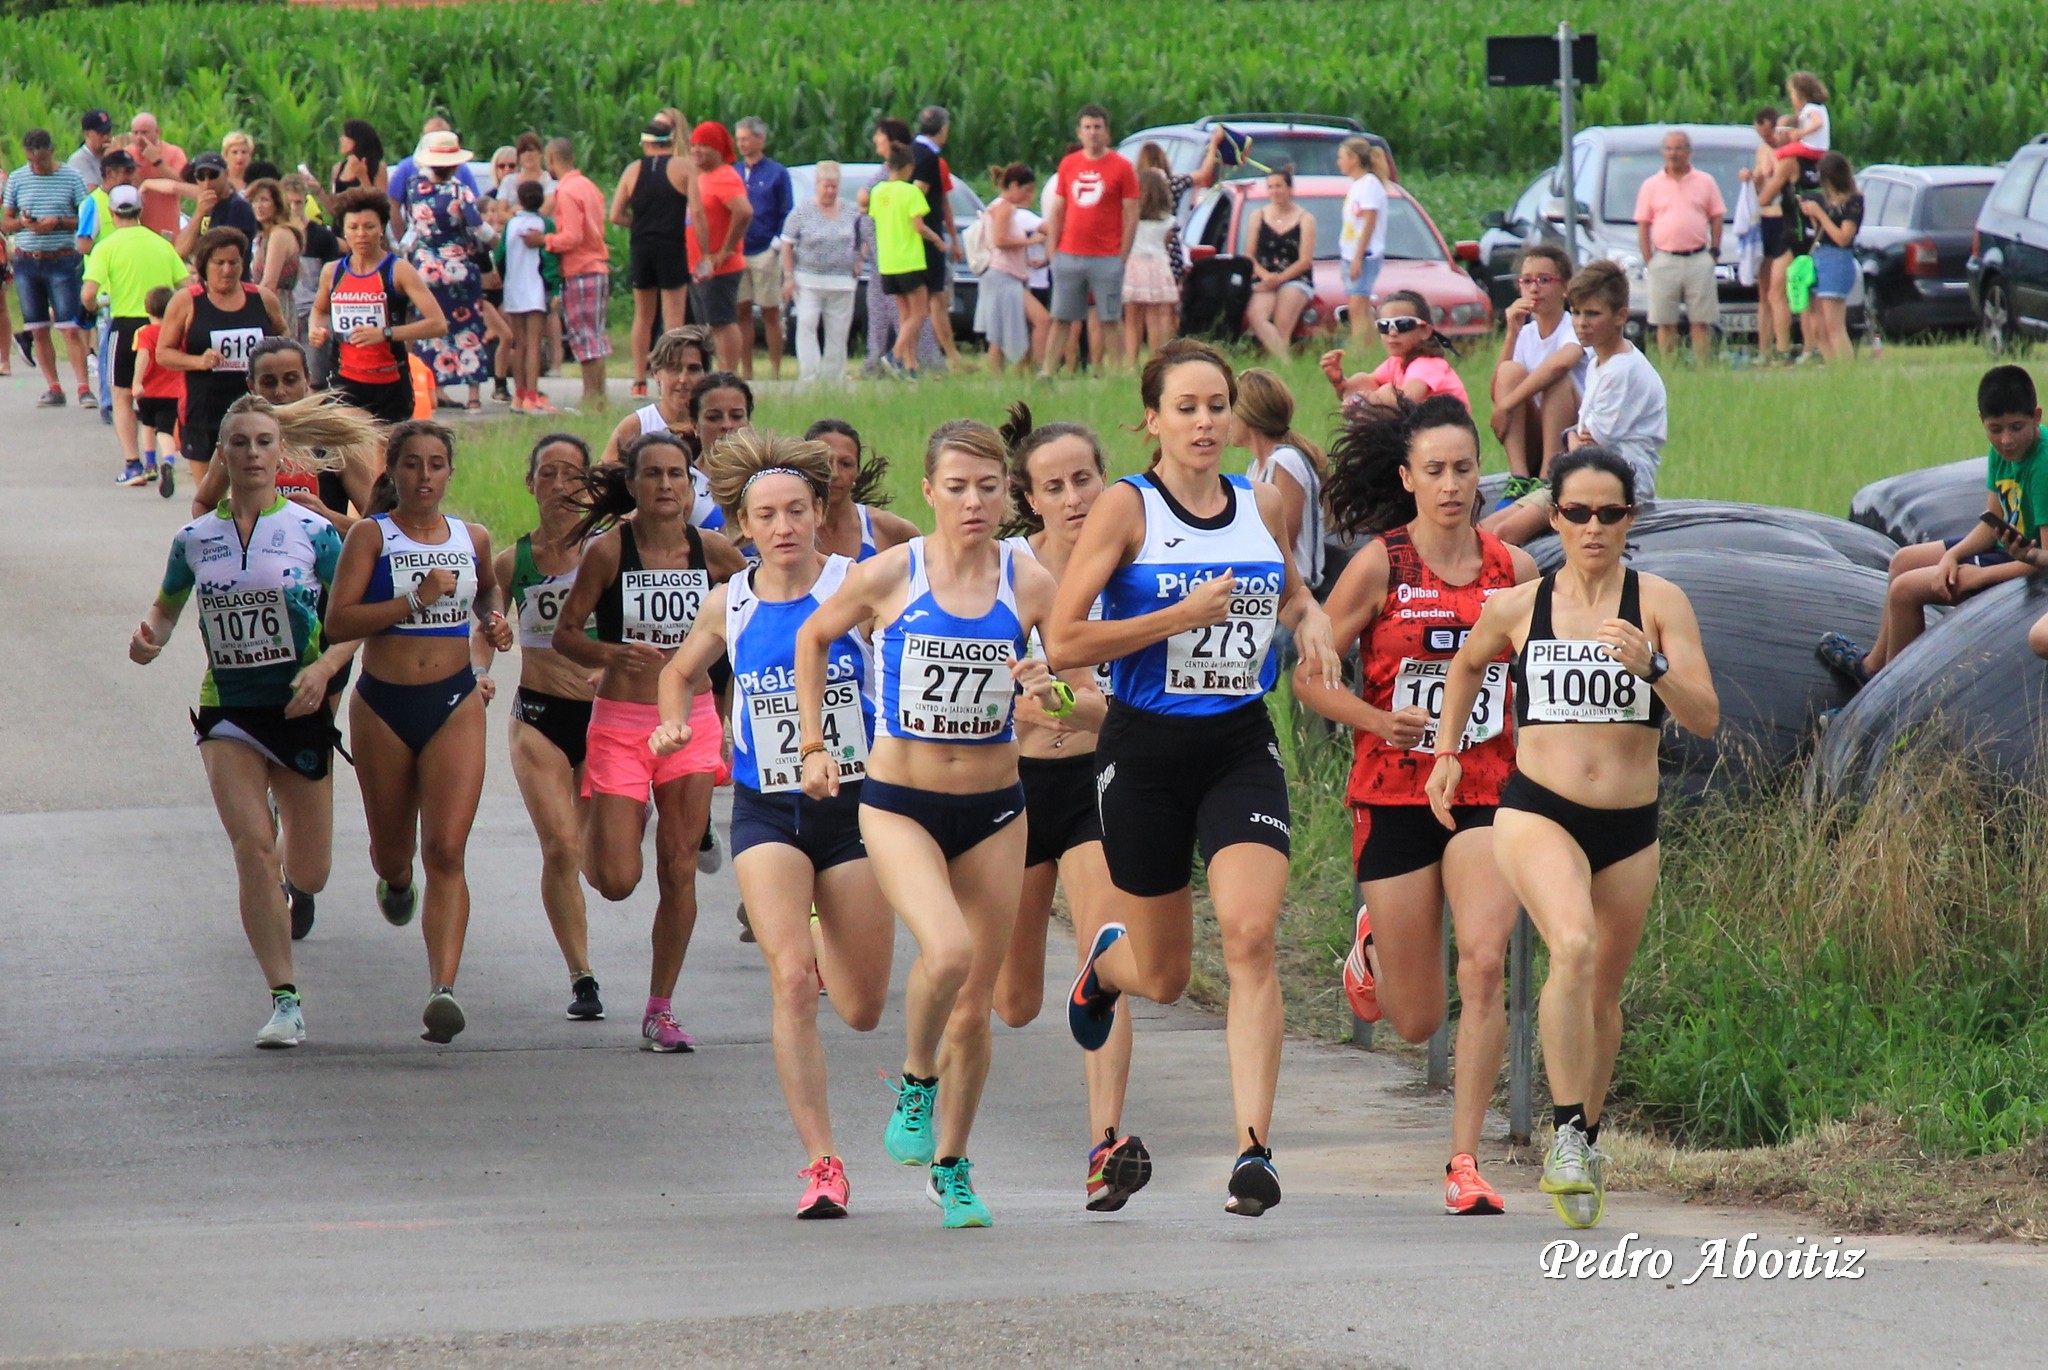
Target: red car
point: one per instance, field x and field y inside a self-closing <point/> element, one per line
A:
<point x="1417" y="257"/>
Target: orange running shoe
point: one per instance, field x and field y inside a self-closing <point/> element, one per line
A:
<point x="1358" y="981"/>
<point x="1464" y="1192"/>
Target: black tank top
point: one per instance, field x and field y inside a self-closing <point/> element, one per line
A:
<point x="658" y="208"/>
<point x="1566" y="680"/>
<point x="1277" y="251"/>
<point x="234" y="333"/>
<point x="652" y="606"/>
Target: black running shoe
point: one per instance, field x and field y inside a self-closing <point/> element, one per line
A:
<point x="302" y="911"/>
<point x="746" y="927"/>
<point x="167" y="479"/>
<point x="399" y="905"/>
<point x="586" y="1007"/>
<point x="1254" y="1184"/>
<point x="1116" y="1170"/>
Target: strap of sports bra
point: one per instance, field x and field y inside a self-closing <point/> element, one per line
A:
<point x="1631" y="598"/>
<point x="696" y="541"/>
<point x="629" y="548"/>
<point x="1539" y="614"/>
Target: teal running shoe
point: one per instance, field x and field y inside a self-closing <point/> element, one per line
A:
<point x="951" y="1187"/>
<point x="912" y="1136"/>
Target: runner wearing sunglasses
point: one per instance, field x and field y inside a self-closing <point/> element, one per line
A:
<point x="1416" y="366"/>
<point x="1602" y="654"/>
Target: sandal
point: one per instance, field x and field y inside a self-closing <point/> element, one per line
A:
<point x="1840" y="654"/>
<point x="639" y="390"/>
<point x="474" y="406"/>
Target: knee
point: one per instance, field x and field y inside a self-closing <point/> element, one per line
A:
<point x="859" y="1008"/>
<point x="2037" y="637"/>
<point x="1417" y="1017"/>
<point x="1481" y="973"/>
<point x="557" y="853"/>
<point x="256" y="850"/>
<point x="614" y="886"/>
<point x="947" y="963"/>
<point x="442" y="854"/>
<point x="1018" y="1005"/>
<point x="794" y="982"/>
<point x="1571" y="954"/>
<point x="677" y="870"/>
<point x="1249" y="948"/>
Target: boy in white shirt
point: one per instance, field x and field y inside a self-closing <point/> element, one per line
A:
<point x="1541" y="372"/>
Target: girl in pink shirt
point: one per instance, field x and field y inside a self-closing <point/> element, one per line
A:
<point x="1415" y="366"/>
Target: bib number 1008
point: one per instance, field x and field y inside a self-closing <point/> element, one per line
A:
<point x="1581" y="682"/>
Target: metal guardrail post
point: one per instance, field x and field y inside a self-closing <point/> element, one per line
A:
<point x="1440" y="1040"/>
<point x="1521" y="1040"/>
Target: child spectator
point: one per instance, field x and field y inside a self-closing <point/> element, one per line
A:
<point x="1804" y="138"/>
<point x="525" y="272"/>
<point x="1952" y="570"/>
<point x="898" y="209"/>
<point x="1151" y="299"/>
<point x="158" y="393"/>
<point x="1541" y="372"/>
<point x="1415" y="364"/>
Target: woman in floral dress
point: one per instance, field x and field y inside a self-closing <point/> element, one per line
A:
<point x="449" y="235"/>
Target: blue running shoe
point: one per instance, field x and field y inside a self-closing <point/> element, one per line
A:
<point x="951" y="1187"/>
<point x="1091" y="1009"/>
<point x="911" y="1138"/>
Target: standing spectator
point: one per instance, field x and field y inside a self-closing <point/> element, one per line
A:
<point x="769" y="192"/>
<point x="158" y="161"/>
<point x="883" y="315"/>
<point x="159" y="393"/>
<point x="1362" y="246"/>
<point x="1094" y="217"/>
<point x="216" y="204"/>
<point x="720" y="212"/>
<point x="407" y="172"/>
<point x="319" y="246"/>
<point x="652" y="204"/>
<point x="526" y="296"/>
<point x="238" y="150"/>
<point x="1679" y="212"/>
<point x="362" y="160"/>
<point x="1283" y="254"/>
<point x="1002" y="312"/>
<point x="898" y="208"/>
<point x="278" y="243"/>
<point x="95" y="221"/>
<point x="450" y="239"/>
<point x="586" y="266"/>
<point x="96" y="130"/>
<point x="127" y="264"/>
<point x="1151" y="299"/>
<point x="1773" y="309"/>
<point x="1152" y="157"/>
<point x="533" y="166"/>
<point x="820" y="266"/>
<point x="41" y="207"/>
<point x="931" y="175"/>
<point x="1836" y="214"/>
<point x="504" y="183"/>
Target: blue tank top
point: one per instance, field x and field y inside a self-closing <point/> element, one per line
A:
<point x="945" y="678"/>
<point x="1203" y="670"/>
<point x="867" y="533"/>
<point x="760" y="639"/>
<point x="403" y="563"/>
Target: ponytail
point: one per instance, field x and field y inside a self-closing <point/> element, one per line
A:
<point x="384" y="494"/>
<point x="607" y="493"/>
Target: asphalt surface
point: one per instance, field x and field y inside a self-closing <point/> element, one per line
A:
<point x="543" y="1193"/>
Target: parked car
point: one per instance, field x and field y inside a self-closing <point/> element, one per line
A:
<point x="967" y="207"/>
<point x="1915" y="243"/>
<point x="2009" y="258"/>
<point x="1417" y="256"/>
<point x="1609" y="165"/>
<point x="1308" y="141"/>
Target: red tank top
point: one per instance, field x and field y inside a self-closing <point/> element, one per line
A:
<point x="1407" y="650"/>
<point x="353" y="302"/>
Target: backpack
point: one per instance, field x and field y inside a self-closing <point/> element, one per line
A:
<point x="975" y="243"/>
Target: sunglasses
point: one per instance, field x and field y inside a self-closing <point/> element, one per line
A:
<point x="1527" y="281"/>
<point x="1406" y="324"/>
<point x="1608" y="514"/>
<point x="202" y="177"/>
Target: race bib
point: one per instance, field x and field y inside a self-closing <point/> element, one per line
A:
<point x="660" y="606"/>
<point x="954" y="688"/>
<point x="1420" y="684"/>
<point x="234" y="346"/>
<point x="1577" y="681"/>
<point x="246" y="628"/>
<point x="772" y="724"/>
<point x="349" y="315"/>
<point x="1224" y="658"/>
<point x="539" y="608"/>
<point x="409" y="569"/>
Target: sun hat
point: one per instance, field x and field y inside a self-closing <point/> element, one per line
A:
<point x="441" y="149"/>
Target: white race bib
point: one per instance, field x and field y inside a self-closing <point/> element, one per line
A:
<point x="540" y="607"/>
<point x="1224" y="658"/>
<point x="954" y="688"/>
<point x="234" y="346"/>
<point x="772" y="723"/>
<point x="1420" y="684"/>
<point x="247" y="628"/>
<point x="1579" y="681"/>
<point x="348" y="315"/>
<point x="409" y="569"/>
<point x="660" y="606"/>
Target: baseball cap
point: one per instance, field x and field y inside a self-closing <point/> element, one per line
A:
<point x="117" y="160"/>
<point x="125" y="200"/>
<point x="97" y="121"/>
<point x="208" y="161"/>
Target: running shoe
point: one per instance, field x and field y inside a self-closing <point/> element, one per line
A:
<point x="585" y="1007"/>
<point x="1567" y="1169"/>
<point x="1585" y="1210"/>
<point x="501" y="391"/>
<point x="302" y="911"/>
<point x="443" y="1019"/>
<point x="1116" y="1170"/>
<point x="87" y="400"/>
<point x="746" y="927"/>
<point x="1091" y="1009"/>
<point x="826" y="1194"/>
<point x="1464" y="1192"/>
<point x="1254" y="1183"/>
<point x="659" y="1031"/>
<point x="132" y="475"/>
<point x="951" y="1187"/>
<point x="287" y="1025"/>
<point x="710" y="856"/>
<point x="53" y="398"/>
<point x="640" y="393"/>
<point x="167" y="480"/>
<point x="398" y="905"/>
<point x="26" y="341"/>
<point x="1841" y="654"/>
<point x="1359" y="986"/>
<point x="1519" y="486"/>
<point x="910" y="1138"/>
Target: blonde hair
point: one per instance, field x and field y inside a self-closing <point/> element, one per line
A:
<point x="233" y="137"/>
<point x="971" y="437"/>
<point x="667" y="354"/>
<point x="1371" y="156"/>
<point x="731" y="466"/>
<point x="825" y="169"/>
<point x="321" y="432"/>
<point x="1266" y="406"/>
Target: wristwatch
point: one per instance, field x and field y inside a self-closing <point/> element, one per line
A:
<point x="387" y="332"/>
<point x="1660" y="665"/>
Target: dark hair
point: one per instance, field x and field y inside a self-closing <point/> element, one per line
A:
<point x="384" y="494"/>
<point x="1092" y="112"/>
<point x="1591" y="457"/>
<point x="1155" y="194"/>
<point x="1767" y="115"/>
<point x="1364" y="494"/>
<point x="1437" y="345"/>
<point x="262" y="170"/>
<point x="217" y="240"/>
<point x="532" y="195"/>
<point x="270" y="347"/>
<point x="361" y="199"/>
<point x="368" y="145"/>
<point x="1551" y="252"/>
<point x="526" y="142"/>
<point x="718" y="380"/>
<point x="1178" y="351"/>
<point x="1023" y="439"/>
<point x="607" y="493"/>
<point x="36" y="140"/>
<point x="157" y="301"/>
<point x="932" y="120"/>
<point x="1284" y="170"/>
<point x="899" y="158"/>
<point x="1836" y="175"/>
<point x="896" y="130"/>
<point x="2006" y="390"/>
<point x="1015" y="174"/>
<point x="548" y="440"/>
<point x="1601" y="281"/>
<point x="869" y="486"/>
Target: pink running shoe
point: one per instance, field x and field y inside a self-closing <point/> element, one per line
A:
<point x="827" y="1193"/>
<point x="661" y="1032"/>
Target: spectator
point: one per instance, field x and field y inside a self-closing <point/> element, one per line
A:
<point x="586" y="265"/>
<point x="1415" y="366"/>
<point x="1002" y="309"/>
<point x="883" y="315"/>
<point x="158" y="162"/>
<point x="504" y="180"/>
<point x="319" y="246"/>
<point x="42" y="203"/>
<point x="216" y="204"/>
<point x="1804" y="138"/>
<point x="525" y="273"/>
<point x="1773" y="309"/>
<point x="1093" y="219"/>
<point x="21" y="339"/>
<point x="238" y="150"/>
<point x="1070" y="356"/>
<point x="95" y="221"/>
<point x="1152" y="157"/>
<point x="1283" y="255"/>
<point x="930" y="174"/>
<point x="898" y="208"/>
<point x="450" y="240"/>
<point x="770" y="194"/>
<point x="362" y="159"/>
<point x="820" y="268"/>
<point x="1679" y="212"/>
<point x="1362" y="247"/>
<point x="1541" y="371"/>
<point x="720" y="212"/>
<point x="407" y="172"/>
<point x="278" y="243"/>
<point x="533" y="166"/>
<point x="158" y="392"/>
<point x="96" y="131"/>
<point x="126" y="265"/>
<point x="652" y="204"/>
<point x="1151" y="300"/>
<point x="1837" y="212"/>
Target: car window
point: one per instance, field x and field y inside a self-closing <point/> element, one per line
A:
<point x="1882" y="200"/>
<point x="1313" y="154"/>
<point x="1626" y="172"/>
<point x="966" y="204"/>
<point x="1528" y="211"/>
<point x="1408" y="235"/>
<point x="1954" y="208"/>
<point x="1215" y="230"/>
<point x="2037" y="207"/>
<point x="2014" y="187"/>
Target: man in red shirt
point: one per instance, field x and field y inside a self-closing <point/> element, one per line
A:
<point x="156" y="160"/>
<point x="578" y="240"/>
<point x="1094" y="217"/>
<point x="719" y="214"/>
<point x="1679" y="212"/>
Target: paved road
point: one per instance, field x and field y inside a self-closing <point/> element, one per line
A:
<point x="543" y="1193"/>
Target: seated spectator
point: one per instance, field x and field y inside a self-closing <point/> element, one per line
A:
<point x="1542" y="369"/>
<point x="1415" y="364"/>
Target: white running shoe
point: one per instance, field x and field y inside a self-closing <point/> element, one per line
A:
<point x="710" y="855"/>
<point x="287" y="1025"/>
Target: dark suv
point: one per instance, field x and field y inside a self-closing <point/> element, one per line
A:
<point x="1914" y="246"/>
<point x="2009" y="257"/>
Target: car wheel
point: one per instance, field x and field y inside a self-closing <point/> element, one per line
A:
<point x="1995" y="319"/>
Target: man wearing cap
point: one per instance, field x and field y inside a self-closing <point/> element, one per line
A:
<point x="769" y="192"/>
<point x="126" y="264"/>
<point x="719" y="215"/>
<point x="41" y="207"/>
<point x="162" y="168"/>
<point x="217" y="205"/>
<point x="578" y="240"/>
<point x="96" y="128"/>
<point x="652" y="205"/>
<point x="95" y="221"/>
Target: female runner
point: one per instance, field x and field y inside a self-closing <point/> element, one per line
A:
<point x="1056" y="473"/>
<point x="1601" y="655"/>
<point x="208" y="332"/>
<point x="1196" y="575"/>
<point x="411" y="578"/>
<point x="679" y="360"/>
<point x="278" y="376"/>
<point x="265" y="735"/>
<point x="645" y="581"/>
<point x="1410" y="473"/>
<point x="940" y="804"/>
<point x="792" y="853"/>
<point x="855" y="524"/>
<point x="370" y="304"/>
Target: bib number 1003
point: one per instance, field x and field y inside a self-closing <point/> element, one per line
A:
<point x="1420" y="685"/>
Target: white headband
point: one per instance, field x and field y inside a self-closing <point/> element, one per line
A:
<point x="773" y="471"/>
